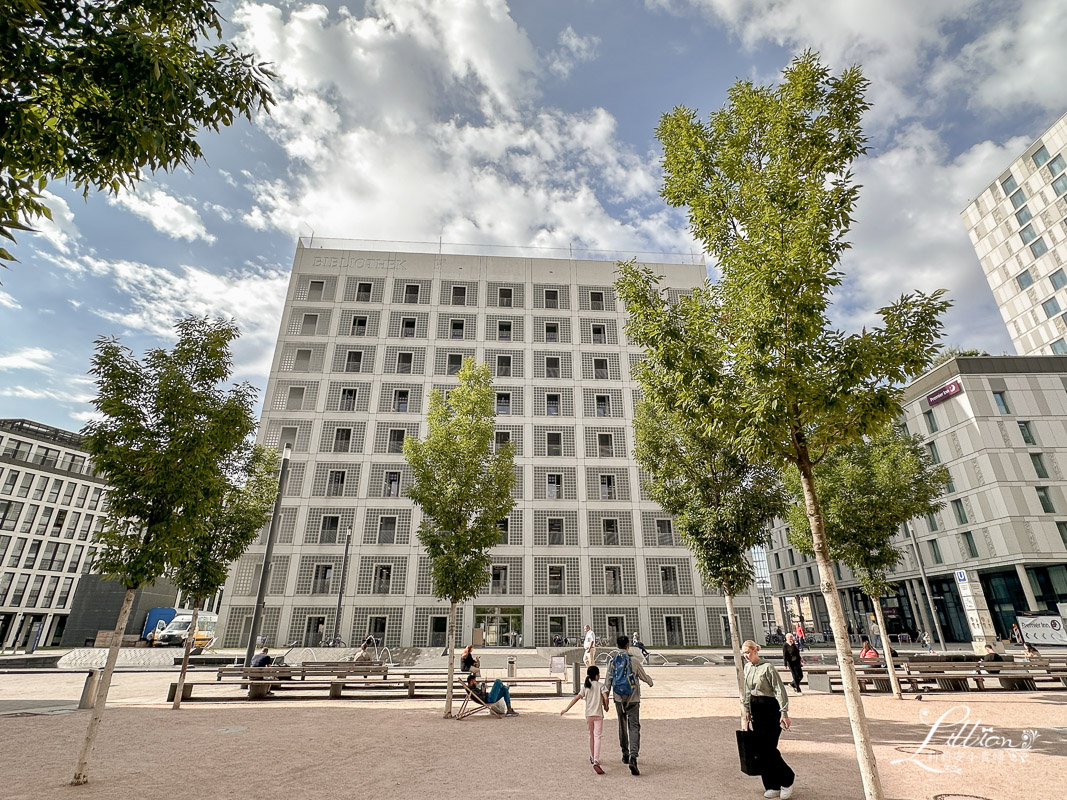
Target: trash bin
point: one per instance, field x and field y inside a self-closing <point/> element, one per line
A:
<point x="511" y="667"/>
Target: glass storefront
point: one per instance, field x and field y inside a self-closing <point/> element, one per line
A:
<point x="502" y="627"/>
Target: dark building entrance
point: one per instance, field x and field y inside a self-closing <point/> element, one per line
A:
<point x="1005" y="598"/>
<point x="949" y="609"/>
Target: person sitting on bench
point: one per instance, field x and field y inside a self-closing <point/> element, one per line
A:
<point x="261" y="659"/>
<point x="640" y="646"/>
<point x="867" y="652"/>
<point x="498" y="692"/>
<point x="468" y="662"/>
<point x="363" y="654"/>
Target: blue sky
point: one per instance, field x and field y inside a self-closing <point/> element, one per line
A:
<point x="523" y="123"/>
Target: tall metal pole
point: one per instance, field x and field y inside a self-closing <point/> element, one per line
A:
<point x="257" y="610"/>
<point x="926" y="584"/>
<point x="341" y="588"/>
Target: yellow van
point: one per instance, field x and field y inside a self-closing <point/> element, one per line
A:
<point x="175" y="634"/>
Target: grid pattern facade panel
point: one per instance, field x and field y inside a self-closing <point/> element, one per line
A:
<point x="361" y="627"/>
<point x="299" y="623"/>
<point x="424" y="576"/>
<point x="336" y="479"/>
<point x="305" y="575"/>
<point x="563" y="329"/>
<point x="566" y="437"/>
<point x="506" y="363"/>
<point x="394" y="363"/>
<point x="541" y="525"/>
<point x="626" y="575"/>
<point x="611" y="408"/>
<point x="601" y="615"/>
<point x="566" y="401"/>
<point x="596" y="488"/>
<point x="339" y="396"/>
<point x="624" y="525"/>
<point x="674" y="295"/>
<point x="398" y="579"/>
<point x="642" y="482"/>
<point x="585" y="301"/>
<point x="286" y="528"/>
<point x="592" y="442"/>
<point x="318" y="320"/>
<point x="514" y="579"/>
<point x="572" y="624"/>
<point x="635" y="359"/>
<point x="444" y="325"/>
<point x="346" y="325"/>
<point x="329" y="288"/>
<point x="654" y="534"/>
<point x="607" y="331"/>
<point x="355" y="438"/>
<point x="518" y="291"/>
<point x="492" y="328"/>
<point x="570" y="482"/>
<point x="563" y="295"/>
<point x="518" y="484"/>
<point x="316" y="527"/>
<point x="345" y="358"/>
<point x="566" y="369"/>
<point x="516" y="436"/>
<point x="352" y="290"/>
<point x="387" y="397"/>
<point x="396" y="323"/>
<point x="381" y="433"/>
<point x="280" y="399"/>
<point x="658" y="621"/>
<point x="233" y="626"/>
<point x="242" y="575"/>
<point x="654" y="574"/>
<point x="279" y="575"/>
<point x="572" y="583"/>
<point x="294" y="480"/>
<point x="400" y="289"/>
<point x="303" y="357"/>
<point x="593" y="370"/>
<point x="718" y="627"/>
<point x="514" y="529"/>
<point x="470" y="296"/>
<point x="303" y="434"/>
<point x="402" y="526"/>
<point x="378" y="486"/>
<point x="516" y="393"/>
<point x="441" y="354"/>
<point x="420" y="635"/>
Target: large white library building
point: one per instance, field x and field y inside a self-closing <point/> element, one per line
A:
<point x="365" y="336"/>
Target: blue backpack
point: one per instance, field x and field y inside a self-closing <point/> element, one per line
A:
<point x="622" y="675"/>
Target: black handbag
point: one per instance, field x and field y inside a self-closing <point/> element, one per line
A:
<point x="746" y="751"/>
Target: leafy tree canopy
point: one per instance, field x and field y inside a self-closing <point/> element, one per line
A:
<point x="96" y="92"/>
<point x="949" y="353"/>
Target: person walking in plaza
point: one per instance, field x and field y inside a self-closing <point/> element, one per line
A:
<point x="595" y="695"/>
<point x="625" y="671"/>
<point x="590" y="647"/>
<point x="800" y="636"/>
<point x="791" y="656"/>
<point x="766" y="707"/>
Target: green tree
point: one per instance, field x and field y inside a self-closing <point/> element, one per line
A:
<point x="722" y="502"/>
<point x="225" y="533"/>
<point x="949" y="353"/>
<point x="767" y="185"/>
<point x="97" y="92"/>
<point x="166" y="440"/>
<point x="464" y="490"/>
<point x="867" y="490"/>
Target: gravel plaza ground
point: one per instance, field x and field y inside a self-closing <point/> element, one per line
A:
<point x="404" y="748"/>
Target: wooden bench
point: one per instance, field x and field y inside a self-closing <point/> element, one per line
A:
<point x="303" y="672"/>
<point x="259" y="689"/>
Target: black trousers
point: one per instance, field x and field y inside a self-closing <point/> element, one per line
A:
<point x="766" y="723"/>
<point x="798" y="673"/>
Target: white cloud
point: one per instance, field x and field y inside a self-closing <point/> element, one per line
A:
<point x="7" y="301"/>
<point x="223" y="213"/>
<point x="32" y="358"/>
<point x="60" y="231"/>
<point x="163" y="212"/>
<point x="60" y="395"/>
<point x="85" y="416"/>
<point x="573" y="50"/>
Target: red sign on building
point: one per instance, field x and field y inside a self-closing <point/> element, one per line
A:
<point x="946" y="392"/>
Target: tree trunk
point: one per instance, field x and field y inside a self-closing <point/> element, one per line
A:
<point x="81" y="773"/>
<point x="893" y="681"/>
<point x="451" y="659"/>
<point x="185" y="657"/>
<point x="735" y="643"/>
<point x="872" y="784"/>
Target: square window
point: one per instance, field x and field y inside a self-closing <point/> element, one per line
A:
<point x="503" y="366"/>
<point x="363" y="292"/>
<point x="454" y="364"/>
<point x="969" y="545"/>
<point x="551" y="298"/>
<point x="610" y="530"/>
<point x="1001" y="399"/>
<point x="342" y="440"/>
<point x="1045" y="499"/>
<point x="1023" y="215"/>
<point x="386" y="530"/>
<point x="1024" y="279"/>
<point x="554" y="487"/>
<point x="1039" y="248"/>
<point x="552" y="366"/>
<point x="1018" y="198"/>
<point x="411" y="293"/>
<point x="391" y="487"/>
<point x="502" y="438"/>
<point x="383" y="575"/>
<point x="931" y="421"/>
<point x="598" y="334"/>
<point x="555" y="531"/>
<point x="407" y="328"/>
<point x="503" y="297"/>
<point x="503" y="331"/>
<point x="1059" y="186"/>
<point x="1039" y="465"/>
<point x="1059" y="347"/>
<point x="665" y="535"/>
<point x="1057" y="165"/>
<point x="457" y="329"/>
<point x="1028" y="234"/>
<point x="600" y="369"/>
<point x="403" y="363"/>
<point x="315" y="289"/>
<point x="302" y="362"/>
<point x="1058" y="279"/>
<point x="1040" y="156"/>
<point x="354" y="361"/>
<point x="596" y="301"/>
<point x="309" y="324"/>
<point x="603" y="405"/>
<point x="287" y="437"/>
<point x="459" y="295"/>
<point x="347" y="401"/>
<point x="1027" y="433"/>
<point x="335" y="483"/>
<point x="295" y="400"/>
<point x="1009" y="185"/>
<point x="396" y="441"/>
<point x="359" y="326"/>
<point x="400" y="399"/>
<point x="668" y="578"/>
<point x="605" y="445"/>
<point x="554" y="443"/>
<point x="503" y="402"/>
<point x="552" y="405"/>
<point x="551" y="332"/>
<point x="607" y="487"/>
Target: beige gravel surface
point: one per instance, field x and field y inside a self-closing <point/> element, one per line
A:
<point x="404" y="748"/>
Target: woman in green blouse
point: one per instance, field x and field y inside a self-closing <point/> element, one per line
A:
<point x="767" y="709"/>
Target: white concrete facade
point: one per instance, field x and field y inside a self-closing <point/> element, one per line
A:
<point x="365" y="336"/>
<point x="1018" y="227"/>
<point x="999" y="424"/>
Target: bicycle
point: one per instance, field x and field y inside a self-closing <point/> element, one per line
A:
<point x="332" y="642"/>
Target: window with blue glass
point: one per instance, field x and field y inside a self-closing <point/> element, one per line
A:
<point x="1009" y="185"/>
<point x="1057" y="165"/>
<point x="1023" y="215"/>
<point x="1052" y="307"/>
<point x="1060" y="184"/>
<point x="1039" y="248"/>
<point x="1058" y="278"/>
<point x="1024" y="279"/>
<point x="1059" y="347"/>
<point x="1040" y="156"/>
<point x="1001" y="399"/>
<point x="1028" y="234"/>
<point x="1018" y="198"/>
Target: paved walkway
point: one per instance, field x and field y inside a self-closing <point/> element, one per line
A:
<point x="404" y="748"/>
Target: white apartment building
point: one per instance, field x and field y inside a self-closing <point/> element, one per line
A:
<point x="1018" y="227"/>
<point x="365" y="336"/>
<point x="51" y="506"/>
<point x="999" y="424"/>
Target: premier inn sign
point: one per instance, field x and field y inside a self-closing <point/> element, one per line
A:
<point x="946" y="392"/>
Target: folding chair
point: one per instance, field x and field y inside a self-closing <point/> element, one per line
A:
<point x="472" y="703"/>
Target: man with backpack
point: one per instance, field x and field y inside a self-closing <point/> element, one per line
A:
<point x="625" y="671"/>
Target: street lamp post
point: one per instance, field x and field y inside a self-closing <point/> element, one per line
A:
<point x="341" y="588"/>
<point x="264" y="576"/>
<point x="926" y="584"/>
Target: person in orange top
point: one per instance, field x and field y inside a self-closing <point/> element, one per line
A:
<point x="868" y="652"/>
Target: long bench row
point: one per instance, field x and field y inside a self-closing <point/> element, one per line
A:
<point x="953" y="676"/>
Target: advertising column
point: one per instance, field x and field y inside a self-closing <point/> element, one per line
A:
<point x="974" y="606"/>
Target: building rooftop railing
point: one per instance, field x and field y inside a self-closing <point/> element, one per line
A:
<point x="37" y="430"/>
